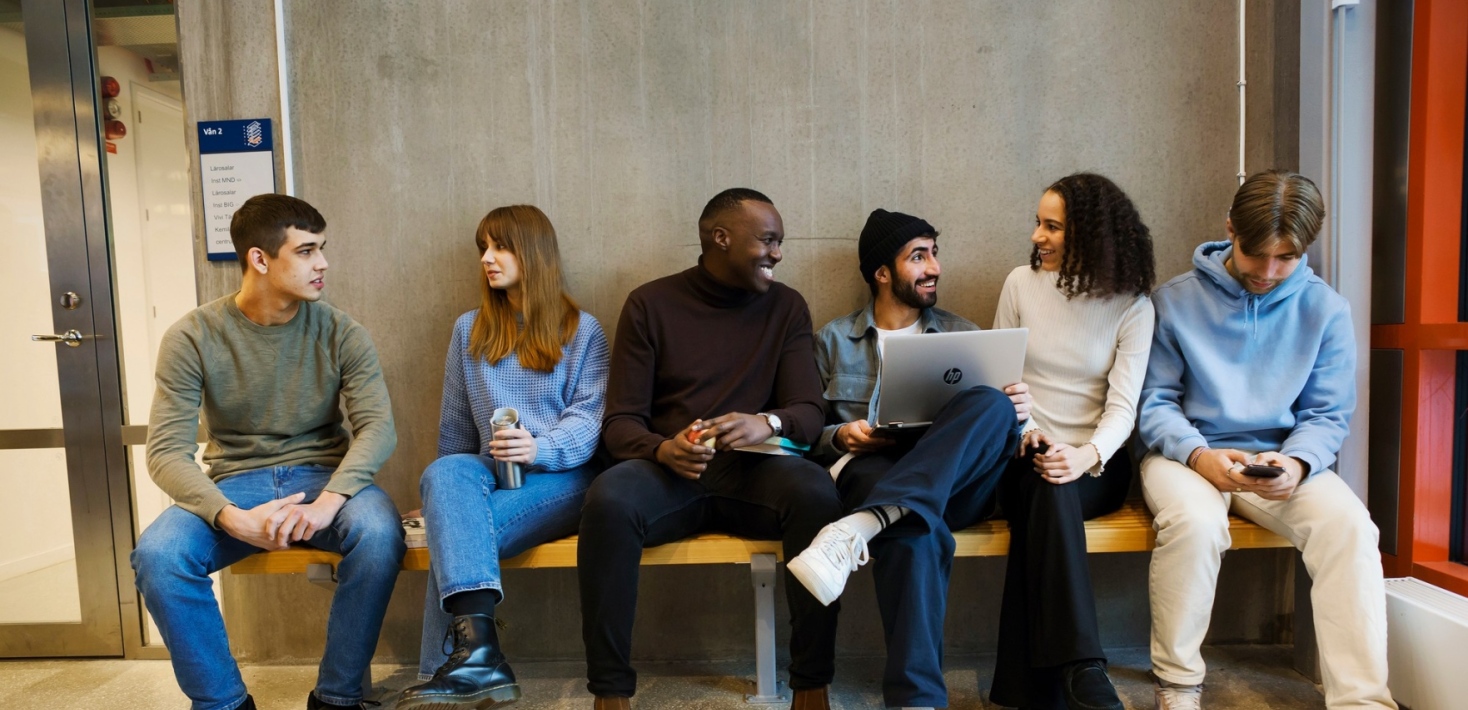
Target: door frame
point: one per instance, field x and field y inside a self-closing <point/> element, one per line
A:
<point x="64" y="80"/>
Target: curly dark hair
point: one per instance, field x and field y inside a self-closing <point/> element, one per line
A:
<point x="1108" y="250"/>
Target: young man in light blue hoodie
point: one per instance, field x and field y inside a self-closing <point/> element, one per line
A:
<point x="1254" y="364"/>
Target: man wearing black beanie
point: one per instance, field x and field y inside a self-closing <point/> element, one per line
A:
<point x="947" y="477"/>
<point x="885" y="234"/>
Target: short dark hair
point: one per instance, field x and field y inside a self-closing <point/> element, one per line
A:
<point x="261" y="222"/>
<point x="1108" y="248"/>
<point x="730" y="199"/>
<point x="1276" y="204"/>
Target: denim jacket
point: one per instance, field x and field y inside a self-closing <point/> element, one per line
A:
<point x="846" y="354"/>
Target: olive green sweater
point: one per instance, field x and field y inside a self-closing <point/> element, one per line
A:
<point x="271" y="396"/>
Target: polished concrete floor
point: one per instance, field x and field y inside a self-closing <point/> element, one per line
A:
<point x="1240" y="677"/>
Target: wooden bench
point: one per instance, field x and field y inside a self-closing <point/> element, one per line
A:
<point x="1126" y="530"/>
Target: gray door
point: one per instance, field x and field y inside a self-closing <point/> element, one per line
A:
<point x="65" y="588"/>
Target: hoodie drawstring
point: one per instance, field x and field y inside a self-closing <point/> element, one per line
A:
<point x="1251" y="314"/>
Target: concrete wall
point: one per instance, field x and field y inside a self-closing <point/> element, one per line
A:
<point x="622" y="118"/>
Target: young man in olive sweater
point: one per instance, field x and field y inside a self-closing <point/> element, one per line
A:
<point x="272" y="368"/>
<point x="719" y="350"/>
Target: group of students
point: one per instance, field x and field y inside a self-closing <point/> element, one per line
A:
<point x="1246" y="359"/>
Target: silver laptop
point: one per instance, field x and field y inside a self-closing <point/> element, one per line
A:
<point x="920" y="373"/>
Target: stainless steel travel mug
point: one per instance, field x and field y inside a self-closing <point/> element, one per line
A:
<point x="506" y="474"/>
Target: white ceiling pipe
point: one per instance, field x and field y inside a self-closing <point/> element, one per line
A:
<point x="282" y="73"/>
<point x="1242" y="84"/>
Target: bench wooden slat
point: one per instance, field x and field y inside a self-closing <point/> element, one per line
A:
<point x="1126" y="530"/>
<point x="698" y="550"/>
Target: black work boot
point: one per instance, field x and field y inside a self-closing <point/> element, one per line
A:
<point x="475" y="677"/>
<point x="1087" y="687"/>
<point x="249" y="703"/>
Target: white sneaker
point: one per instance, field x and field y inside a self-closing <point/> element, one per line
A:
<point x="824" y="566"/>
<point x="1171" y="696"/>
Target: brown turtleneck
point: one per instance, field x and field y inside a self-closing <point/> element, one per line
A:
<point x="689" y="347"/>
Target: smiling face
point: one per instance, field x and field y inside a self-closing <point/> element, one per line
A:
<point x="1049" y="234"/>
<point x="749" y="239"/>
<point x="913" y="277"/>
<point x="1262" y="272"/>
<point x="298" y="270"/>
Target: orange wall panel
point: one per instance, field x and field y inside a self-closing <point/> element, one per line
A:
<point x="1435" y="173"/>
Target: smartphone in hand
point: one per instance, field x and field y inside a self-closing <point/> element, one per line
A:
<point x="1262" y="471"/>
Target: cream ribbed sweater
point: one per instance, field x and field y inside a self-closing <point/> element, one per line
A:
<point x="1085" y="359"/>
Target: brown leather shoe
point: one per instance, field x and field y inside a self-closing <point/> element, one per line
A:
<point x="610" y="703"/>
<point x="812" y="699"/>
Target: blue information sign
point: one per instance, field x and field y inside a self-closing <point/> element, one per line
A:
<point x="236" y="162"/>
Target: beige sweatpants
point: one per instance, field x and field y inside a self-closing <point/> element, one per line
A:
<point x="1331" y="528"/>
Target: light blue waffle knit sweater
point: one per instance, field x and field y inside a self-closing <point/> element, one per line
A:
<point x="562" y="409"/>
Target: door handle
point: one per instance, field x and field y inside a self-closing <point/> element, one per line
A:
<point x="72" y="338"/>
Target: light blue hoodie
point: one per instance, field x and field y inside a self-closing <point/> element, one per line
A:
<point x="1230" y="369"/>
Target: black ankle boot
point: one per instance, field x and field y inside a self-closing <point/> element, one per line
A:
<point x="1087" y="687"/>
<point x="315" y="703"/>
<point x="475" y="677"/>
<point x="249" y="703"/>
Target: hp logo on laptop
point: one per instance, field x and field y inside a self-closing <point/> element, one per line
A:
<point x="952" y="376"/>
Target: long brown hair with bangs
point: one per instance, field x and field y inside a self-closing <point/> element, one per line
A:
<point x="550" y="315"/>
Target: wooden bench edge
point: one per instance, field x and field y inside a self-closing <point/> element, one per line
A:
<point x="1127" y="530"/>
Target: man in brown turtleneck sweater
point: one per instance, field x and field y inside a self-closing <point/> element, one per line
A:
<point x="719" y="350"/>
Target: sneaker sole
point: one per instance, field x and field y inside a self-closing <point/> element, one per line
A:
<point x="813" y="582"/>
<point x="482" y="700"/>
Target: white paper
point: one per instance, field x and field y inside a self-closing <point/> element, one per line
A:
<point x="229" y="179"/>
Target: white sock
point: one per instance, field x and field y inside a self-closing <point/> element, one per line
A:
<point x="868" y="523"/>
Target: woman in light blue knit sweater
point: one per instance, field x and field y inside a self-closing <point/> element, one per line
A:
<point x="528" y="347"/>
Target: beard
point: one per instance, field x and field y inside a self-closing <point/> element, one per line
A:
<point x="906" y="293"/>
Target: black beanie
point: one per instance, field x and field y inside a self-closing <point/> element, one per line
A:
<point x="884" y="235"/>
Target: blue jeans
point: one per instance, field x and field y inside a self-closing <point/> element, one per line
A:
<point x="472" y="525"/>
<point x="176" y="554"/>
<point x="949" y="478"/>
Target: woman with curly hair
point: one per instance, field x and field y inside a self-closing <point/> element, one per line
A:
<point x="1085" y="298"/>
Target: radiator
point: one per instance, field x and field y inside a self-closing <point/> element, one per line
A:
<point x="1427" y="645"/>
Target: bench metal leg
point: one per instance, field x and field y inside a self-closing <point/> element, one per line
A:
<point x="322" y="575"/>
<point x="767" y="689"/>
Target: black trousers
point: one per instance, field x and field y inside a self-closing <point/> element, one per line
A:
<point x="1048" y="616"/>
<point x="948" y="478"/>
<point x="637" y="504"/>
